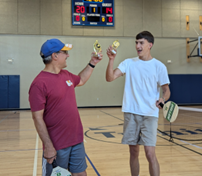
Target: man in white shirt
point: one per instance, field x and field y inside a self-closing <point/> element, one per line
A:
<point x="145" y="76"/>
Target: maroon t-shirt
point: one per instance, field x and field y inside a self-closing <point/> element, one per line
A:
<point x="55" y="94"/>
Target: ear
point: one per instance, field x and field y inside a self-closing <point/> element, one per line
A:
<point x="54" y="56"/>
<point x="150" y="45"/>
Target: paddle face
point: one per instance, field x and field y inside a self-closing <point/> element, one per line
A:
<point x="170" y="111"/>
<point x="58" y="171"/>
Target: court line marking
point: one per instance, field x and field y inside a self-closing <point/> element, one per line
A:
<point x="180" y="145"/>
<point x="17" y="130"/>
<point x="6" y="117"/>
<point x="111" y="115"/>
<point x="191" y="144"/>
<point x="92" y="165"/>
<point x="3" y="119"/>
<point x="22" y="150"/>
<point x="36" y="156"/>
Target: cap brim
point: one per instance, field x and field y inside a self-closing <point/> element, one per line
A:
<point x="67" y="47"/>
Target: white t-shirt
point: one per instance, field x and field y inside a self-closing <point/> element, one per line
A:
<point x="142" y="85"/>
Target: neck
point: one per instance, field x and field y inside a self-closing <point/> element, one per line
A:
<point x="52" y="69"/>
<point x="146" y="57"/>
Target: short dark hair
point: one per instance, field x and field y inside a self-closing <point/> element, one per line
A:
<point x="146" y="35"/>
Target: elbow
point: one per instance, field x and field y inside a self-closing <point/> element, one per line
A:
<point x="81" y="84"/>
<point x="109" y="80"/>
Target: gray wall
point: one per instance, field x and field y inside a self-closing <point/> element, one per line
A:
<point x="26" y="24"/>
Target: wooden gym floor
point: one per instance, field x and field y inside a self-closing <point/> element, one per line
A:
<point x="21" y="149"/>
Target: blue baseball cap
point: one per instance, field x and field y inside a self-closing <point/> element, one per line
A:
<point x="52" y="46"/>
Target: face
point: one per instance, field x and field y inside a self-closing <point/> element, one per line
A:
<point x="61" y="58"/>
<point x="143" y="47"/>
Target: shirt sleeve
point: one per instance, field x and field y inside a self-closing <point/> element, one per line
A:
<point x="163" y="76"/>
<point x="37" y="98"/>
<point x="76" y="79"/>
<point x="123" y="66"/>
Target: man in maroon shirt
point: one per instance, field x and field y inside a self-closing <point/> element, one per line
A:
<point x="54" y="109"/>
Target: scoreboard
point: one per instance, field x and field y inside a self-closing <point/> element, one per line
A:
<point x="93" y="12"/>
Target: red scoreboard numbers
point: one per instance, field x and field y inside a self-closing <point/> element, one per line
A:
<point x="77" y="18"/>
<point x="80" y="9"/>
<point x="105" y="10"/>
<point x="110" y="19"/>
<point x="109" y="10"/>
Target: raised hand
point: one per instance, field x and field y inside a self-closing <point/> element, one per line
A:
<point x="110" y="54"/>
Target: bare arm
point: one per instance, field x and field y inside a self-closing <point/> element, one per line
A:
<point x="165" y="96"/>
<point x="49" y="150"/>
<point x="112" y="74"/>
<point x="88" y="70"/>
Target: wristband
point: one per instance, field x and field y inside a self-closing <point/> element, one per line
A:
<point x="91" y="65"/>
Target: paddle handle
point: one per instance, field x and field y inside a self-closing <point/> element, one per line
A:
<point x="161" y="104"/>
<point x="54" y="164"/>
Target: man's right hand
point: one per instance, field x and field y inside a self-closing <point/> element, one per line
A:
<point x="110" y="54"/>
<point x="50" y="154"/>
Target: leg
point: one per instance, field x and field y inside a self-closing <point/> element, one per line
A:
<point x="80" y="174"/>
<point x="77" y="161"/>
<point x="154" y="168"/>
<point x="134" y="161"/>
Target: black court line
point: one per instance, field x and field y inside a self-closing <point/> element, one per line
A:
<point x="112" y="115"/>
<point x="180" y="145"/>
<point x="99" y="139"/>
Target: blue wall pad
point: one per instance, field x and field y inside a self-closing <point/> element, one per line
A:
<point x="13" y="91"/>
<point x="3" y="91"/>
<point x="186" y="89"/>
<point x="9" y="91"/>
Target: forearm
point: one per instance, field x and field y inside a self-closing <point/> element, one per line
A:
<point x="85" y="74"/>
<point x="110" y="71"/>
<point x="166" y="93"/>
<point x="43" y="132"/>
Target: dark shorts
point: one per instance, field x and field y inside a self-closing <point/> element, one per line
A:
<point x="71" y="158"/>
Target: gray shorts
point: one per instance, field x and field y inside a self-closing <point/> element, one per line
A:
<point x="138" y="129"/>
<point x="71" y="158"/>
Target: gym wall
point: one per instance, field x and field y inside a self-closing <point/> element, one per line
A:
<point x="27" y="24"/>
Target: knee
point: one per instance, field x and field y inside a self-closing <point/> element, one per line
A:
<point x="80" y="174"/>
<point x="134" y="151"/>
<point x="83" y="174"/>
<point x="151" y="156"/>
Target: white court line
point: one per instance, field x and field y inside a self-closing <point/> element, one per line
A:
<point x="191" y="144"/>
<point x="36" y="156"/>
<point x="184" y="142"/>
<point x="191" y="109"/>
<point x="85" y="140"/>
